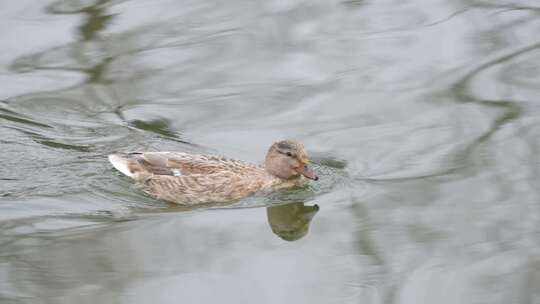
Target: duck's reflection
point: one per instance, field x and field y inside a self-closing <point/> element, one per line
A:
<point x="291" y="221"/>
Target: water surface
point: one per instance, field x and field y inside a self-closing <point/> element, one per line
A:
<point x="421" y="116"/>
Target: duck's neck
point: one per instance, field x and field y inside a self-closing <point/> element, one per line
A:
<point x="280" y="182"/>
<point x="278" y="174"/>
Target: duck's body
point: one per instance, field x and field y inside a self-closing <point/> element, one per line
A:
<point x="191" y="179"/>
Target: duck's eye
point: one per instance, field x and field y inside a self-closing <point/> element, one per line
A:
<point x="289" y="154"/>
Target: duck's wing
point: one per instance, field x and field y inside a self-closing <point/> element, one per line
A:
<point x="173" y="164"/>
<point x="197" y="188"/>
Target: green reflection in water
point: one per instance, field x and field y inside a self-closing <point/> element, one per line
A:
<point x="16" y="117"/>
<point x="96" y="22"/>
<point x="158" y="126"/>
<point x="291" y="221"/>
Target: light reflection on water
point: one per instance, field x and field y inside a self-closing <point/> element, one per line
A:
<point x="421" y="117"/>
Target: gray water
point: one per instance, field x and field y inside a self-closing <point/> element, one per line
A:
<point x="422" y="118"/>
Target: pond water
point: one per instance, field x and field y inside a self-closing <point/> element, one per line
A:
<point x="422" y="118"/>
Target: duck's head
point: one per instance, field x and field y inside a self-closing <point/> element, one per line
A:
<point x="287" y="159"/>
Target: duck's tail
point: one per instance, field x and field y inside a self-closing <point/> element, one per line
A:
<point x="122" y="164"/>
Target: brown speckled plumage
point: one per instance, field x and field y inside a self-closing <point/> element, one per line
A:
<point x="196" y="179"/>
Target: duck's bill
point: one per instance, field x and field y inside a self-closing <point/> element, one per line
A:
<point x="308" y="172"/>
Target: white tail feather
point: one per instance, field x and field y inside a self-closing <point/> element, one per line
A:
<point x="120" y="164"/>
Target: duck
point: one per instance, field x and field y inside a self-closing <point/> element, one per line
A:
<point x="191" y="179"/>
